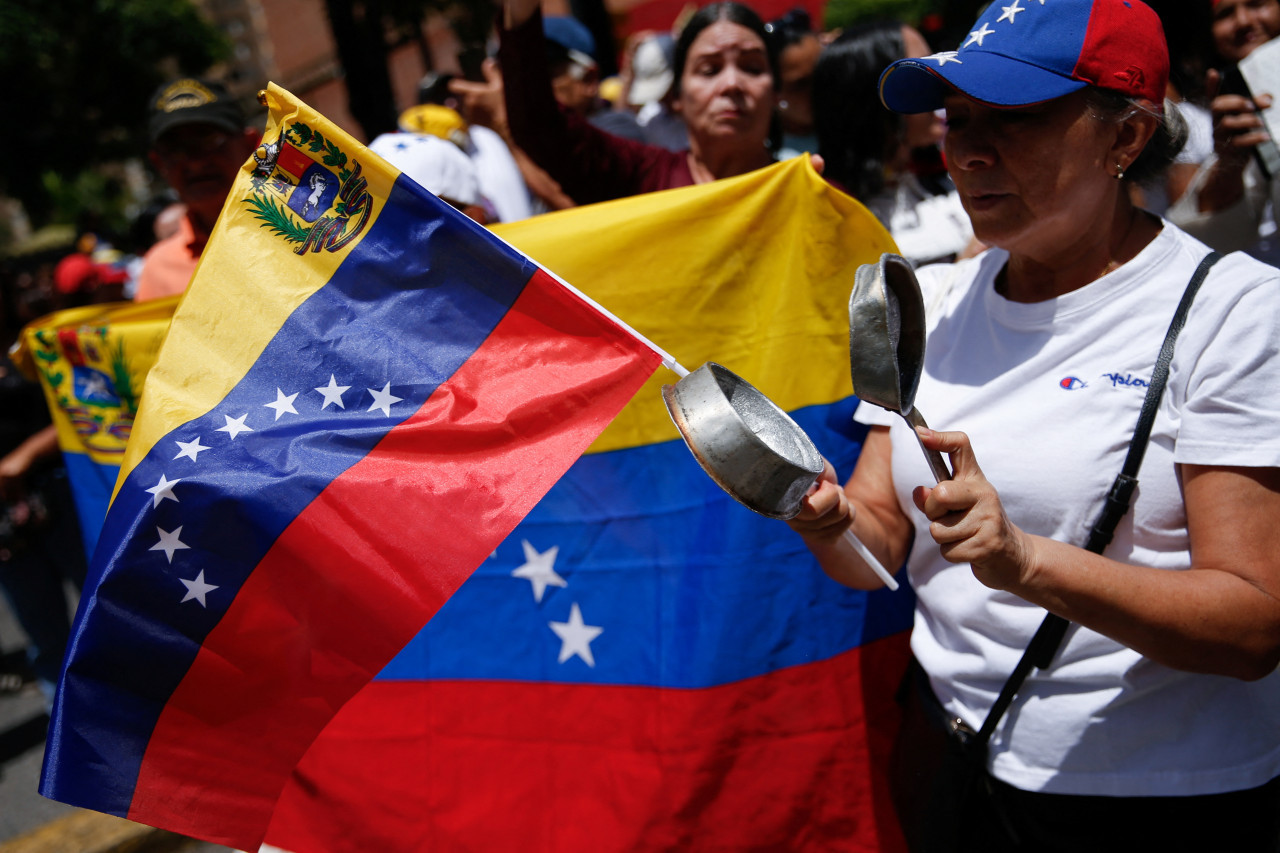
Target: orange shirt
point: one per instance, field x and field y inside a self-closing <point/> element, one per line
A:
<point x="168" y="265"/>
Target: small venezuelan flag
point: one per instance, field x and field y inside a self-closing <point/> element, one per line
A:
<point x="91" y="363"/>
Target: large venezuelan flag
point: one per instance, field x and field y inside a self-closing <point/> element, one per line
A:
<point x="644" y="664"/>
<point x="361" y="394"/>
<point x="91" y="363"/>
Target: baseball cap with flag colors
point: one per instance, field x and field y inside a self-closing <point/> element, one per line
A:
<point x="1024" y="52"/>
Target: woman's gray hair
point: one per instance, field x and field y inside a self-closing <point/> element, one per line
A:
<point x="1165" y="144"/>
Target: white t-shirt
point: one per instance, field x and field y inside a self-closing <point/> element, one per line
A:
<point x="1049" y="394"/>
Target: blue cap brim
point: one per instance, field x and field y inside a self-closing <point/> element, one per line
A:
<point x="919" y="85"/>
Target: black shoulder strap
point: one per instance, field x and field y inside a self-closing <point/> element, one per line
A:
<point x="1044" y="645"/>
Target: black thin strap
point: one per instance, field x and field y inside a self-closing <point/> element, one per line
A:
<point x="1048" y="637"/>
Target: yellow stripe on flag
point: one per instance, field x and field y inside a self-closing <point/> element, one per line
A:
<point x="767" y="260"/>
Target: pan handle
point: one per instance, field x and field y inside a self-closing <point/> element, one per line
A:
<point x="869" y="558"/>
<point x="936" y="463"/>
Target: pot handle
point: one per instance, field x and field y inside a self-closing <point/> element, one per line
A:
<point x="869" y="558"/>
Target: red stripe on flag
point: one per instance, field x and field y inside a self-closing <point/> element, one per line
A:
<point x="292" y="160"/>
<point x="364" y="567"/>
<point x="794" y="760"/>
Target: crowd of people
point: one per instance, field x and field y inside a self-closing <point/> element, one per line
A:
<point x="1059" y="177"/>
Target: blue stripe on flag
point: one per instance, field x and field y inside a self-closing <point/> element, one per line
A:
<point x="636" y="565"/>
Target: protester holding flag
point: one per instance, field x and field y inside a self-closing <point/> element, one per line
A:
<point x="725" y="89"/>
<point x="1156" y="725"/>
<point x="198" y="141"/>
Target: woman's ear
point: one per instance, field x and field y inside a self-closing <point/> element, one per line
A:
<point x="1132" y="135"/>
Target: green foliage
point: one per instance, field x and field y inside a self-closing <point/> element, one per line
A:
<point x="79" y="75"/>
<point x="844" y="13"/>
<point x="70" y="195"/>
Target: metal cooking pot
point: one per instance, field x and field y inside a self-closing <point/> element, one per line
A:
<point x="886" y="343"/>
<point x="749" y="446"/>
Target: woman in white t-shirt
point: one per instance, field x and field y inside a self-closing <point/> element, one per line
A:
<point x="1157" y="726"/>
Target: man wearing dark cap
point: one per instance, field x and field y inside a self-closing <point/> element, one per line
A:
<point x="198" y="144"/>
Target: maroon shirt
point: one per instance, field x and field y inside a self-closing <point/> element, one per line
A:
<point x="589" y="164"/>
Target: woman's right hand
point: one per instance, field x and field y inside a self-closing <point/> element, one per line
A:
<point x="825" y="513"/>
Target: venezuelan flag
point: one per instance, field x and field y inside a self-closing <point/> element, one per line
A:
<point x="359" y="397"/>
<point x="91" y="363"/>
<point x="645" y="664"/>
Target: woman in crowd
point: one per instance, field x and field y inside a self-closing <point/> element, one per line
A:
<point x="868" y="150"/>
<point x="1157" y="725"/>
<point x="1230" y="202"/>
<point x="798" y="48"/>
<point x="725" y="91"/>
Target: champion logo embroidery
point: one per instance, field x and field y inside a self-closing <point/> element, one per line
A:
<point x="1071" y="383"/>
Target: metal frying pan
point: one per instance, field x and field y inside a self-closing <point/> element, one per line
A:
<point x="749" y="446"/>
<point x="886" y="343"/>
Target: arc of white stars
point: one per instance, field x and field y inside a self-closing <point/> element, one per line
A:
<point x="383" y="399"/>
<point x="333" y="393"/>
<point x="978" y="35"/>
<point x="169" y="542"/>
<point x="189" y="449"/>
<point x="1008" y="13"/>
<point x="197" y="589"/>
<point x="283" y="404"/>
<point x="163" y="490"/>
<point x="945" y="57"/>
<point x="576" y="636"/>
<point x="539" y="569"/>
<point x="235" y="426"/>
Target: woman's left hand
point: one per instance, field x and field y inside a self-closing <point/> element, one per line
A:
<point x="968" y="520"/>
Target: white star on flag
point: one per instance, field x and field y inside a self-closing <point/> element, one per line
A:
<point x="383" y="399"/>
<point x="539" y="569"/>
<point x="235" y="426"/>
<point x="575" y="636"/>
<point x="978" y="35"/>
<point x="169" y="542"/>
<point x="197" y="589"/>
<point x="333" y="393"/>
<point x="1010" y="12"/>
<point x="283" y="404"/>
<point x="163" y="490"/>
<point x="190" y="449"/>
<point x="945" y="57"/>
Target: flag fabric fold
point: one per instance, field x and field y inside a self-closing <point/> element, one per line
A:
<point x="644" y="664"/>
<point x="360" y="395"/>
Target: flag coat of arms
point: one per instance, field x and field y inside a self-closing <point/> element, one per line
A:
<point x="644" y="664"/>
<point x="91" y="362"/>
<point x="359" y="397"/>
